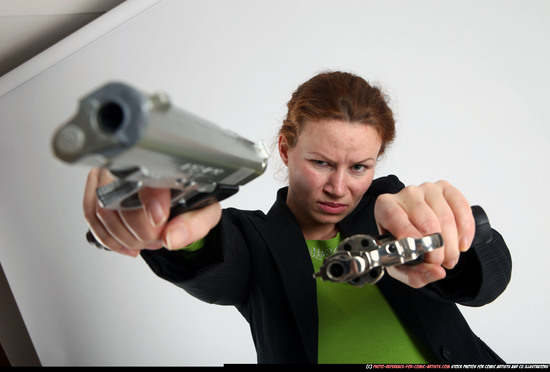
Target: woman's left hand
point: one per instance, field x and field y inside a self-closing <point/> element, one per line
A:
<point x="417" y="211"/>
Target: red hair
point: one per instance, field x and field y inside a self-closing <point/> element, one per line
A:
<point x="340" y="96"/>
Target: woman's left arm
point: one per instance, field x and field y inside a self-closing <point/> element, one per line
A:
<point x="481" y="275"/>
<point x="416" y="211"/>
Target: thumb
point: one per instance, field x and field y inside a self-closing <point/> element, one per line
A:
<point x="191" y="226"/>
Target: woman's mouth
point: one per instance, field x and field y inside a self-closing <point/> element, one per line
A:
<point x="332" y="208"/>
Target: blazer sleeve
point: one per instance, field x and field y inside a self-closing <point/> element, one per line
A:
<point x="216" y="273"/>
<point x="481" y="275"/>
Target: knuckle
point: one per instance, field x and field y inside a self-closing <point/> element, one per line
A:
<point x="417" y="283"/>
<point x="438" y="187"/>
<point x="412" y="191"/>
<point x="384" y="199"/>
<point x="443" y="184"/>
<point x="428" y="185"/>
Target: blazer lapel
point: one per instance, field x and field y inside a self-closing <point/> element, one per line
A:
<point x="286" y="243"/>
<point x="288" y="248"/>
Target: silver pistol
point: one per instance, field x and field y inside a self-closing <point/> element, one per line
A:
<point x="362" y="259"/>
<point x="143" y="140"/>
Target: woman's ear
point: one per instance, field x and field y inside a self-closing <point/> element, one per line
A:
<point x="283" y="149"/>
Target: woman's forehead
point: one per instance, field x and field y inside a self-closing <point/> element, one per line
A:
<point x="334" y="136"/>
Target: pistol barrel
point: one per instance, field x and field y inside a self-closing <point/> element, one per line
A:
<point x="145" y="140"/>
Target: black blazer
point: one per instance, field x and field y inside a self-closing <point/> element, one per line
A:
<point x="260" y="264"/>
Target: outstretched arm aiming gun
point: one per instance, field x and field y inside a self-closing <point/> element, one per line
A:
<point x="145" y="142"/>
<point x="361" y="259"/>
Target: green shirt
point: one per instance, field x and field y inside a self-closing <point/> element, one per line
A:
<point x="356" y="324"/>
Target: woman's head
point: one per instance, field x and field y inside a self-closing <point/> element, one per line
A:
<point x="338" y="96"/>
<point x="336" y="128"/>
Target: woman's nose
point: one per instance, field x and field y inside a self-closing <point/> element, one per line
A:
<point x="336" y="184"/>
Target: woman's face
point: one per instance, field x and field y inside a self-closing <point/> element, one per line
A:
<point x="330" y="168"/>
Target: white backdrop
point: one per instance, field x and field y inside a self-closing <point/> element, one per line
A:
<point x="468" y="81"/>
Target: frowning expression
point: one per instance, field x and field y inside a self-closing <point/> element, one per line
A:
<point x="330" y="168"/>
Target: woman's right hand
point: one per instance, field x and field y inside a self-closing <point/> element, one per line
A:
<point x="129" y="231"/>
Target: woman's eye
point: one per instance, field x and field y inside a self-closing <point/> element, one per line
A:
<point x="359" y="168"/>
<point x="320" y="163"/>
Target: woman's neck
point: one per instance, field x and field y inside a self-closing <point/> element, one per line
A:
<point x="320" y="232"/>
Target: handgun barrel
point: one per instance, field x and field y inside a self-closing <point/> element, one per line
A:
<point x="119" y="127"/>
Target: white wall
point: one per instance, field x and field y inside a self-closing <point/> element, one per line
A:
<point x="469" y="83"/>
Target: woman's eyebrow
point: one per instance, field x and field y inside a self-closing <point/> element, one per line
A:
<point x="328" y="158"/>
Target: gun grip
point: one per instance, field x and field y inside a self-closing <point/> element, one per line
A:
<point x="202" y="199"/>
<point x="483" y="227"/>
<point x="198" y="201"/>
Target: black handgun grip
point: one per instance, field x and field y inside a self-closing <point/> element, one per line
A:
<point x="203" y="199"/>
<point x="198" y="201"/>
<point x="483" y="227"/>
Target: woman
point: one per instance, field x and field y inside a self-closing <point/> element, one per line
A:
<point x="336" y="128"/>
